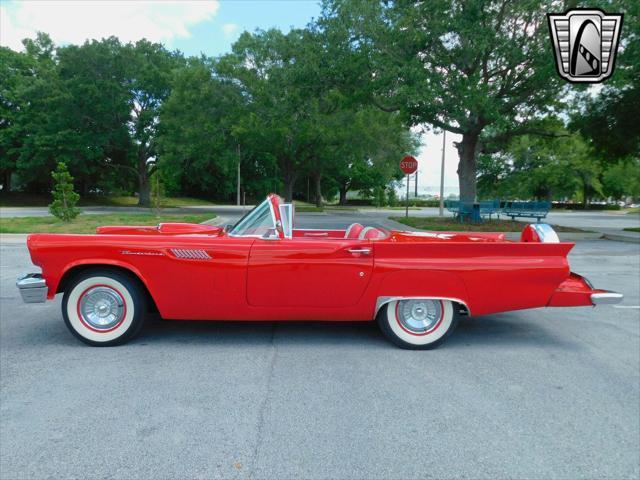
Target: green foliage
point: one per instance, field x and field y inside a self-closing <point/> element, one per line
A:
<point x="460" y="66"/>
<point x="64" y="198"/>
<point x="622" y="178"/>
<point x="392" y="197"/>
<point x="379" y="197"/>
<point x="562" y="167"/>
<point x="609" y="119"/>
<point x="321" y="111"/>
<point x="197" y="152"/>
<point x="157" y="192"/>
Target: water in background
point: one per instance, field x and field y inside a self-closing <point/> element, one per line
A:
<point x="427" y="191"/>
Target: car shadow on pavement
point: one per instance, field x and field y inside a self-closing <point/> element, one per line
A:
<point x="496" y="330"/>
<point x="507" y="329"/>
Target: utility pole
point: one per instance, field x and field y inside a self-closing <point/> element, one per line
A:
<point x="444" y="142"/>
<point x="416" y="195"/>
<point x="238" y="184"/>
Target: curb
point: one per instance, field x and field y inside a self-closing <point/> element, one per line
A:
<point x="621" y="238"/>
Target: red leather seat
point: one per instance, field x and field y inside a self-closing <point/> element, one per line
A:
<point x="353" y="231"/>
<point x="371" y="233"/>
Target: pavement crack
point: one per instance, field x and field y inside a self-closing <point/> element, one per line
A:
<point x="273" y="355"/>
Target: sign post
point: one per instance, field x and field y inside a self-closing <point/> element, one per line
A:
<point x="444" y="144"/>
<point x="408" y="165"/>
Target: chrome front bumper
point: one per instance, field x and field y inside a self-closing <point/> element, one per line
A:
<point x="606" y="298"/>
<point x="33" y="288"/>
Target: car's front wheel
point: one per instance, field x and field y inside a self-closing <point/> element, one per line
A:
<point x="104" y="307"/>
<point x="417" y="324"/>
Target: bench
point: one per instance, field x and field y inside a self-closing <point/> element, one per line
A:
<point x="537" y="210"/>
<point x="465" y="210"/>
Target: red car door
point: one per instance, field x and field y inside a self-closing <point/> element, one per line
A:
<point x="305" y="272"/>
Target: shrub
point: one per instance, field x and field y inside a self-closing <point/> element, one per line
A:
<point x="392" y="197"/>
<point x="380" y="199"/>
<point x="64" y="198"/>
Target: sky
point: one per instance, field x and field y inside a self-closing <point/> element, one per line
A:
<point x="193" y="27"/>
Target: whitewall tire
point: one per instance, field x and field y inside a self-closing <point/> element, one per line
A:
<point x="417" y="324"/>
<point x="104" y="307"/>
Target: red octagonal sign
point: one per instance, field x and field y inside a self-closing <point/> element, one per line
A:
<point x="408" y="165"/>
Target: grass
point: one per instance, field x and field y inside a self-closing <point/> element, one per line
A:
<point x="634" y="210"/>
<point x="632" y="229"/>
<point x="304" y="207"/>
<point x="451" y="225"/>
<point x="400" y="208"/>
<point x="88" y="223"/>
<point x="33" y="200"/>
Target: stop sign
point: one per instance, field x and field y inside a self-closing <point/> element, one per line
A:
<point x="408" y="165"/>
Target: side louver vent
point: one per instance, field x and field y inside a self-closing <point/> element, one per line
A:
<point x="190" y="254"/>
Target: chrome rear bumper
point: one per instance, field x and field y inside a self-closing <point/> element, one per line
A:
<point x="33" y="288"/>
<point x="606" y="298"/>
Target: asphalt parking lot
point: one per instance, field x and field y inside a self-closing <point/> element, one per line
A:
<point x="551" y="393"/>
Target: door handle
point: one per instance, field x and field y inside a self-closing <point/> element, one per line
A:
<point x="363" y="251"/>
<point x="319" y="234"/>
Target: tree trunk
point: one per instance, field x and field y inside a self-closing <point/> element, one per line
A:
<point x="6" y="186"/>
<point x="317" y="188"/>
<point x="144" y="190"/>
<point x="343" y="194"/>
<point x="467" y="166"/>
<point x="289" y="177"/>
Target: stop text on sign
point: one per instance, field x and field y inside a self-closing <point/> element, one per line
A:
<point x="408" y="165"/>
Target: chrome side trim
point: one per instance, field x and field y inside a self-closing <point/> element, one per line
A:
<point x="384" y="300"/>
<point x="33" y="288"/>
<point x="606" y="298"/>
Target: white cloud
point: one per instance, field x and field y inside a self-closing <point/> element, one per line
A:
<point x="74" y="21"/>
<point x="229" y="29"/>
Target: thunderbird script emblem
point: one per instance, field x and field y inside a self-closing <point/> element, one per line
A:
<point x="585" y="44"/>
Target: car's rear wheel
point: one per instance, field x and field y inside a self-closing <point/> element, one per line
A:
<point x="104" y="307"/>
<point x="417" y="324"/>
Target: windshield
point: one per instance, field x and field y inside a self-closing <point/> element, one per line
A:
<point x="257" y="222"/>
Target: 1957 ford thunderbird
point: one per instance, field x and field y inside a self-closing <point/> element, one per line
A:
<point x="415" y="285"/>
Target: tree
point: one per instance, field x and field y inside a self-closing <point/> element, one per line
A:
<point x="32" y="136"/>
<point x="64" y="198"/>
<point x="150" y="70"/>
<point x="544" y="168"/>
<point x="474" y="68"/>
<point x="198" y="152"/>
<point x="622" y="179"/>
<point x="367" y="146"/>
<point x="280" y="119"/>
<point x="608" y="117"/>
<point x="92" y="116"/>
<point x="16" y="70"/>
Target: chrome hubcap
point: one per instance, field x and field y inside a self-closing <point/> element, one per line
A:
<point x="419" y="316"/>
<point x="102" y="307"/>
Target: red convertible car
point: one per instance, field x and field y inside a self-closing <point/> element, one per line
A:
<point x="414" y="284"/>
